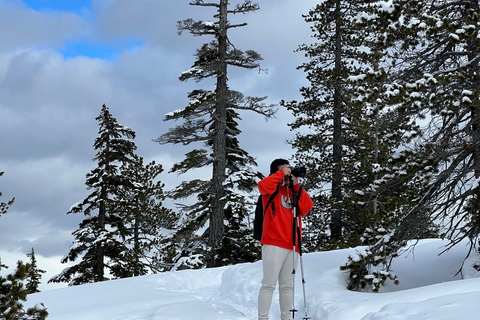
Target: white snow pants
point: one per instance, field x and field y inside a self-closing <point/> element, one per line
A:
<point x="277" y="265"/>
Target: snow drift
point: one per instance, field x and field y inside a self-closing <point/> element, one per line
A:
<point x="429" y="289"/>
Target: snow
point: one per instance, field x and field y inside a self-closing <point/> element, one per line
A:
<point x="428" y="289"/>
<point x="386" y="6"/>
<point x="454" y="36"/>
<point x="467" y="100"/>
<point x="40" y="306"/>
<point x="209" y="24"/>
<point x="357" y="78"/>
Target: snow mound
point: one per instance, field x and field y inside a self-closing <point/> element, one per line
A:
<point x="430" y="289"/>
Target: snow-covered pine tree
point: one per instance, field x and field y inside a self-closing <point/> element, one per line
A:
<point x="34" y="274"/>
<point x="147" y="223"/>
<point x="350" y="134"/>
<point x="436" y="52"/>
<point x="440" y="61"/>
<point x="322" y="113"/>
<point x="13" y="292"/>
<point x="98" y="240"/>
<point x="189" y="243"/>
<point x="204" y="238"/>
<point x="384" y="190"/>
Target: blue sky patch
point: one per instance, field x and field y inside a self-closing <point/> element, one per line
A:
<point x="74" y="6"/>
<point x="83" y="46"/>
<point x="105" y="51"/>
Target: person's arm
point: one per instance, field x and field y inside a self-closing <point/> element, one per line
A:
<point x="305" y="203"/>
<point x="269" y="184"/>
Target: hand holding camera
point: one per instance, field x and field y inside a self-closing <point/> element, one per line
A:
<point x="294" y="174"/>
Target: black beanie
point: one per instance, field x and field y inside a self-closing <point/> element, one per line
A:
<point x="275" y="163"/>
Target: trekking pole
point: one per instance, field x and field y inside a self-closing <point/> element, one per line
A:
<point x="294" y="237"/>
<point x="306" y="317"/>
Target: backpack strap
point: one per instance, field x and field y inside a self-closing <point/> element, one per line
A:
<point x="272" y="196"/>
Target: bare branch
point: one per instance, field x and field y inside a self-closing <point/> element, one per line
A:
<point x="196" y="28"/>
<point x="245" y="7"/>
<point x="204" y="4"/>
<point x="236" y="25"/>
<point x="255" y="104"/>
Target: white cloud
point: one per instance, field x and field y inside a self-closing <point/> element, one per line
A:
<point x="44" y="189"/>
<point x="22" y="28"/>
<point x="152" y="20"/>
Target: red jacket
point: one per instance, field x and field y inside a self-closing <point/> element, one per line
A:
<point x="278" y="227"/>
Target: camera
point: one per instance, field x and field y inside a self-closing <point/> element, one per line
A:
<point x="299" y="172"/>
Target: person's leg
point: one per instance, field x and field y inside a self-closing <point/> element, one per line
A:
<point x="285" y="285"/>
<point x="272" y="259"/>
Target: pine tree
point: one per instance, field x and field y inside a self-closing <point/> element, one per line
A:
<point x="13" y="291"/>
<point x="203" y="238"/>
<point x="147" y="223"/>
<point x="358" y="137"/>
<point x="34" y="274"/>
<point x="383" y="190"/>
<point x="440" y="73"/>
<point x="323" y="111"/>
<point x="98" y="241"/>
<point x="187" y="248"/>
<point x="435" y="51"/>
<point x="351" y="134"/>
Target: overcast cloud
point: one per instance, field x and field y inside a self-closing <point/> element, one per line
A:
<point x="57" y="68"/>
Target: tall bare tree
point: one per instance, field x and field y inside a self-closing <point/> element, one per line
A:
<point x="211" y="118"/>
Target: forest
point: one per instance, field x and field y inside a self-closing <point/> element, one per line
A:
<point x="388" y="129"/>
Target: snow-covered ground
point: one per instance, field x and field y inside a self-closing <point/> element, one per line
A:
<point x="428" y="289"/>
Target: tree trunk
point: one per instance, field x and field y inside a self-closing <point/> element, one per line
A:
<point x="136" y="241"/>
<point x="99" y="268"/>
<point x="219" y="142"/>
<point x="336" y="222"/>
<point x="102" y="213"/>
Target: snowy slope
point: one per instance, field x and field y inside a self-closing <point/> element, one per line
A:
<point x="427" y="290"/>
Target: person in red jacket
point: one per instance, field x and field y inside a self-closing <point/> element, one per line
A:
<point x="278" y="257"/>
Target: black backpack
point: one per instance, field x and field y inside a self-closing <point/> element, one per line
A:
<point x="259" y="213"/>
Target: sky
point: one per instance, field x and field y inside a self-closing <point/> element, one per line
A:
<point x="428" y="290"/>
<point x="60" y="61"/>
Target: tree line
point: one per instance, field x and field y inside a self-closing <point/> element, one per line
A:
<point x="388" y="129"/>
<point x="393" y="143"/>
